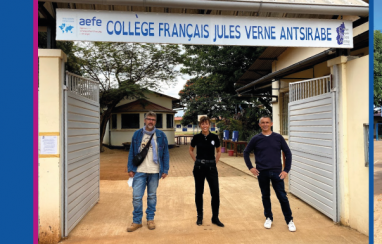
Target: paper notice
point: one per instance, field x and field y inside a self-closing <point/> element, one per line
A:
<point x="48" y="145"/>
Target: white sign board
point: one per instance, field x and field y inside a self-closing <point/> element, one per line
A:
<point x="48" y="145"/>
<point x="113" y="26"/>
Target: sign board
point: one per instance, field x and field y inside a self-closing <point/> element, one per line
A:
<point x="114" y="26"/>
<point x="48" y="145"/>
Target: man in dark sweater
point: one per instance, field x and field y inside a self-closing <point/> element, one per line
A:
<point x="267" y="148"/>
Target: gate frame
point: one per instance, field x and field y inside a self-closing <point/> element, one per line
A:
<point x="64" y="226"/>
<point x="333" y="91"/>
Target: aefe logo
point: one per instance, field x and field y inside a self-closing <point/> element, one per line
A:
<point x="91" y="22"/>
<point x="65" y="28"/>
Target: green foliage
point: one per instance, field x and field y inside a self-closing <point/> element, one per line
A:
<point x="212" y="91"/>
<point x="378" y="68"/>
<point x="69" y="48"/>
<point x="247" y="124"/>
<point x="128" y="69"/>
<point x="204" y="95"/>
<point x="226" y="63"/>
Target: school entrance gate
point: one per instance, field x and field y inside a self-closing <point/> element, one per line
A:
<point x="312" y="140"/>
<point x="81" y="148"/>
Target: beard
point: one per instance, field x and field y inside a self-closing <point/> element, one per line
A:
<point x="150" y="126"/>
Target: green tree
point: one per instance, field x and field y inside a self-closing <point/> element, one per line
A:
<point x="69" y="48"/>
<point x="212" y="90"/>
<point x="378" y="68"/>
<point x="126" y="70"/>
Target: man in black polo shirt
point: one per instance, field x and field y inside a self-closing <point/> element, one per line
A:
<point x="267" y="147"/>
<point x="205" y="168"/>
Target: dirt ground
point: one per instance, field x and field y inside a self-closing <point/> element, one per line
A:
<point x="378" y="192"/>
<point x="114" y="163"/>
<point x="240" y="210"/>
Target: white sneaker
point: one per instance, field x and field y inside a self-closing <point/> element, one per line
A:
<point x="291" y="226"/>
<point x="268" y="223"/>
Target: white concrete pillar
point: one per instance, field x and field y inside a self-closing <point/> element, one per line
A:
<point x="50" y="170"/>
<point x="351" y="75"/>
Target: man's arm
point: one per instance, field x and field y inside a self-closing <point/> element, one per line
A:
<point x="130" y="159"/>
<point x="288" y="154"/>
<point x="166" y="158"/>
<point x="248" y="149"/>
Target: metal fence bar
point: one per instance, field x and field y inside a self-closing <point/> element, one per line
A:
<point x="83" y="86"/>
<point x="309" y="88"/>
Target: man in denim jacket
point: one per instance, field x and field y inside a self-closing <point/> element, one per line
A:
<point x="154" y="166"/>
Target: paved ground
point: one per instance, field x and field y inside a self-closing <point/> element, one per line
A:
<point x="241" y="210"/>
<point x="378" y="192"/>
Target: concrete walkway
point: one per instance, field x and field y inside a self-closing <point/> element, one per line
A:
<point x="241" y="211"/>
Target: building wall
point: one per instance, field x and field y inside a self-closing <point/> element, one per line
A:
<point x="152" y="97"/>
<point x="196" y="130"/>
<point x="353" y="179"/>
<point x="279" y="88"/>
<point x="295" y="54"/>
<point x="119" y="135"/>
<point x="357" y="79"/>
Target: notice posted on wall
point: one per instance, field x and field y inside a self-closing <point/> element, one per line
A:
<point x="48" y="145"/>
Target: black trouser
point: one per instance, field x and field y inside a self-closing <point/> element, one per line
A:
<point x="264" y="178"/>
<point x="209" y="172"/>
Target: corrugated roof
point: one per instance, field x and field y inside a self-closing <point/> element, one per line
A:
<point x="262" y="66"/>
<point x="51" y="6"/>
<point x="260" y="72"/>
<point x="141" y="105"/>
<point x="316" y="2"/>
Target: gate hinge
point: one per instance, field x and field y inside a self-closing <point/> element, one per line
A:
<point x="64" y="87"/>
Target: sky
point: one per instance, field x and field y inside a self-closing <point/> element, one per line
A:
<point x="174" y="91"/>
<point x="377" y="15"/>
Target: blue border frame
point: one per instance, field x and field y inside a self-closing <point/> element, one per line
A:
<point x="371" y="122"/>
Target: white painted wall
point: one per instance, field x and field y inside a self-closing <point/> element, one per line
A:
<point x="357" y="79"/>
<point x="119" y="135"/>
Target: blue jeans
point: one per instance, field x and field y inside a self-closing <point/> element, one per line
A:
<point x="265" y="177"/>
<point x="139" y="186"/>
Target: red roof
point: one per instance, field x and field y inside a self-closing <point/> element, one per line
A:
<point x="141" y="105"/>
<point x="178" y="118"/>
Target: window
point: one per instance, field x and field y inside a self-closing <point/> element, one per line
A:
<point x="170" y="121"/>
<point x="178" y="126"/>
<point x="284" y="113"/>
<point x="130" y="121"/>
<point x="189" y="126"/>
<point x="114" y="121"/>
<point x="159" y="123"/>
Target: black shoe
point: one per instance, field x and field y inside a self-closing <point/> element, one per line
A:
<point x="199" y="221"/>
<point x="217" y="222"/>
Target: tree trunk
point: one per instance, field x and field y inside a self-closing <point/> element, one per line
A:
<point x="105" y="117"/>
<point x="266" y="104"/>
